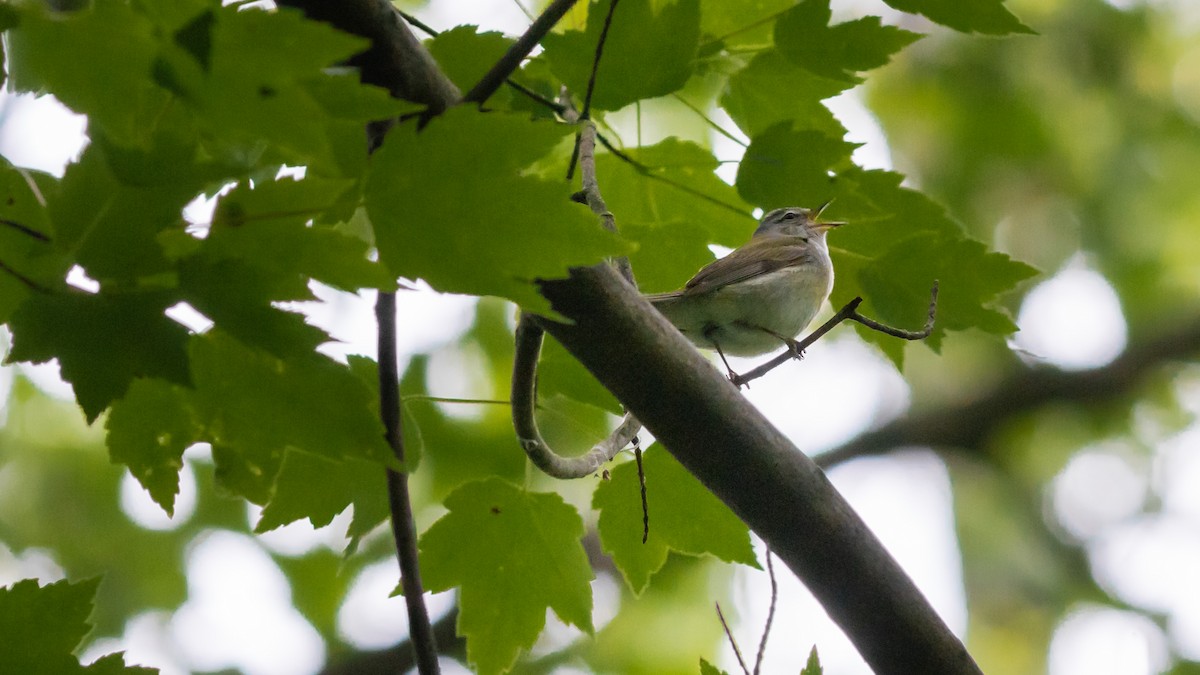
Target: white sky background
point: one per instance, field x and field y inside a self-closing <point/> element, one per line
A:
<point x="841" y="388"/>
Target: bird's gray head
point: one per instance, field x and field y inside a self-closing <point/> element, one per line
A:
<point x="793" y="221"/>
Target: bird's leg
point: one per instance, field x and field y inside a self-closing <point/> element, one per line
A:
<point x="709" y="331"/>
<point x="792" y="345"/>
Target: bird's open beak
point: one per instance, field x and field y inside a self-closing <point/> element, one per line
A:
<point x="826" y="225"/>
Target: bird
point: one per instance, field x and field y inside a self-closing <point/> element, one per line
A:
<point x="761" y="295"/>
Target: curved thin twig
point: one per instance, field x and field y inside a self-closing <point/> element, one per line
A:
<point x="849" y="312"/>
<point x="530" y="334"/>
<point x="524" y="398"/>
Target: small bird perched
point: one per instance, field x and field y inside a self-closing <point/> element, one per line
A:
<point x="760" y="295"/>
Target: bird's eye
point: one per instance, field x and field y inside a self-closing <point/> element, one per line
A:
<point x="790" y="215"/>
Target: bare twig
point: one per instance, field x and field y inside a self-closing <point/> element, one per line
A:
<point x="511" y="60"/>
<point x="418" y="24"/>
<point x="591" y="86"/>
<point x="403" y="529"/>
<point x="529" y="337"/>
<point x="762" y="644"/>
<point x="524" y="392"/>
<point x="849" y="312"/>
<point x="732" y="642"/>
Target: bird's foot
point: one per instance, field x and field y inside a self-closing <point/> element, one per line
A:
<point x="794" y="349"/>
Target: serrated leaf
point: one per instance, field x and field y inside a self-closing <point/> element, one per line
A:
<point x="247" y="471"/>
<point x="102" y="342"/>
<point x="114" y="664"/>
<point x="788" y="167"/>
<point x="896" y="243"/>
<point x="109" y="224"/>
<point x="803" y="35"/>
<point x="109" y="37"/>
<point x="743" y="22"/>
<point x="43" y="625"/>
<point x="238" y="297"/>
<point x="969" y="16"/>
<point x="148" y="430"/>
<point x="813" y="665"/>
<point x="513" y="554"/>
<point x="27" y="250"/>
<point x="272" y="217"/>
<point x="638" y="36"/>
<point x="684" y="517"/>
<point x="707" y="668"/>
<point x="438" y="217"/>
<point x="771" y="89"/>
<point x="677" y="185"/>
<point x="308" y="116"/>
<point x="318" y="489"/>
<point x="465" y="55"/>
<point x="255" y="402"/>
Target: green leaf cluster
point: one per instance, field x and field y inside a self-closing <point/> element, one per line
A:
<point x="255" y="110"/>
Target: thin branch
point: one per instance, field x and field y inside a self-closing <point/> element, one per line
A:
<point x="709" y="121"/>
<point x="591" y="86"/>
<point x="732" y="642"/>
<point x="524" y="394"/>
<point x="762" y="644"/>
<point x="641" y="469"/>
<point x="418" y="24"/>
<point x="849" y="312"/>
<point x="403" y="528"/>
<point x="511" y="60"/>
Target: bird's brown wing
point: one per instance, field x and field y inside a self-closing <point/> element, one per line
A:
<point x="760" y="256"/>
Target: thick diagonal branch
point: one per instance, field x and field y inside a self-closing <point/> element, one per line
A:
<point x="752" y="467"/>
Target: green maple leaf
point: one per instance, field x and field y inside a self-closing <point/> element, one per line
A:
<point x="804" y="37"/>
<point x="897" y="243"/>
<point x="129" y="331"/>
<point x="316" y="488"/>
<point x="465" y="55"/>
<point x="27" y="250"/>
<point x="785" y="166"/>
<point x="813" y="665"/>
<point x="452" y="205"/>
<point x="684" y="517"/>
<point x="42" y="625"/>
<point x="253" y="402"/>
<point x="968" y="16"/>
<point x="148" y="430"/>
<point x="110" y="37"/>
<point x="771" y="89"/>
<point x="638" y="36"/>
<point x="513" y="554"/>
<point x="272" y="217"/>
<point x="108" y="221"/>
